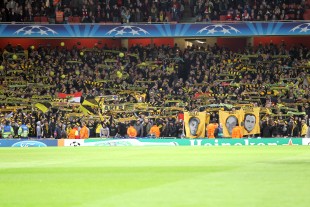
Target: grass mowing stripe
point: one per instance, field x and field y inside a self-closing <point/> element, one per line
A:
<point x="155" y="176"/>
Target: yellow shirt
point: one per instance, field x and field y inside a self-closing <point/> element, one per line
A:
<point x="304" y="130"/>
<point x="98" y="128"/>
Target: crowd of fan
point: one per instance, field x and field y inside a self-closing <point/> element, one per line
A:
<point x="162" y="73"/>
<point x="95" y="11"/>
<point x="258" y="10"/>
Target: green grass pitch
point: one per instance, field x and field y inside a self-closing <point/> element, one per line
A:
<point x="155" y="176"/>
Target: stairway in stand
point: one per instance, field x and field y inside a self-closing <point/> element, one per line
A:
<point x="187" y="15"/>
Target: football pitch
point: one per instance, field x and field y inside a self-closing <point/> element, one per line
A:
<point x="155" y="176"/>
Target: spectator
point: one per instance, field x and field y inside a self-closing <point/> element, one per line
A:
<point x="211" y="129"/>
<point x="58" y="131"/>
<point x="115" y="13"/>
<point x="139" y="128"/>
<point x="154" y="131"/>
<point x="158" y="84"/>
<point x="237" y="131"/>
<point x="84" y="132"/>
<point x="46" y="130"/>
<point x="246" y="16"/>
<point x="229" y="16"/>
<point x="153" y="13"/>
<point x="113" y="130"/>
<point x="214" y="16"/>
<point x="98" y="129"/>
<point x="105" y="131"/>
<point x="175" y="13"/>
<point x="131" y="131"/>
<point x="73" y="133"/>
<point x="92" y="129"/>
<point x="308" y="133"/>
<point x="122" y="129"/>
<point x="137" y="15"/>
<point x="39" y="130"/>
<point x="146" y="127"/>
<point x="106" y="11"/>
<point x="237" y="16"/>
<point x="126" y="16"/>
<point x="304" y="128"/>
<point x="172" y="130"/>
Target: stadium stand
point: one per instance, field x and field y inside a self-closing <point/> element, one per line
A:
<point x="93" y="11"/>
<point x="152" y="75"/>
<point x="35" y="80"/>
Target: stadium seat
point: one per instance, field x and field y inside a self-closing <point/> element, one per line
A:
<point x="44" y="19"/>
<point x="70" y="19"/>
<point x="223" y="18"/>
<point x="37" y="19"/>
<point x="291" y="16"/>
<point x="307" y="14"/>
<point x="76" y="20"/>
<point x="113" y="23"/>
<point x="168" y="14"/>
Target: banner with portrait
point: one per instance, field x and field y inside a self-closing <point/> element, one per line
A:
<point x="195" y="124"/>
<point x="229" y="119"/>
<point x="251" y="120"/>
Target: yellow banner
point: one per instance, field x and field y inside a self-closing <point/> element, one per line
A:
<point x="229" y="119"/>
<point x="118" y="107"/>
<point x="251" y="120"/>
<point x="195" y="124"/>
<point x="140" y="97"/>
<point x="44" y="107"/>
<point x="208" y="118"/>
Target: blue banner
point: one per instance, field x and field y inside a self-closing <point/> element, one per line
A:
<point x="27" y="143"/>
<point x="156" y="30"/>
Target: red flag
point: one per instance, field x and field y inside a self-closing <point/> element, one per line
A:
<point x="74" y="97"/>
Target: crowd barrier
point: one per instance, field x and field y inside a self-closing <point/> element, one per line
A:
<point x="151" y="142"/>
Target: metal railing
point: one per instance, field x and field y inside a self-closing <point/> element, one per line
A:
<point x="148" y="23"/>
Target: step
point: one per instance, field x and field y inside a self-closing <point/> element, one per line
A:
<point x="188" y="20"/>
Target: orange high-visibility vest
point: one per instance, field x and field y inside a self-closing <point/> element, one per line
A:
<point x="237" y="132"/>
<point x="132" y="132"/>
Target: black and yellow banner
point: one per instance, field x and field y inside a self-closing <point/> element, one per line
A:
<point x="90" y="102"/>
<point x="195" y="124"/>
<point x="251" y="120"/>
<point x="87" y="110"/>
<point x="248" y="115"/>
<point x="229" y="119"/>
<point x="44" y="107"/>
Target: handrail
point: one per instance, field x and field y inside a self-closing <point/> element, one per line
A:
<point x="147" y="23"/>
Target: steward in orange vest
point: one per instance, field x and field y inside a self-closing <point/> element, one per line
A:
<point x="131" y="131"/>
<point x="237" y="131"/>
<point x="154" y="131"/>
<point x="84" y="132"/>
<point x="211" y="129"/>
